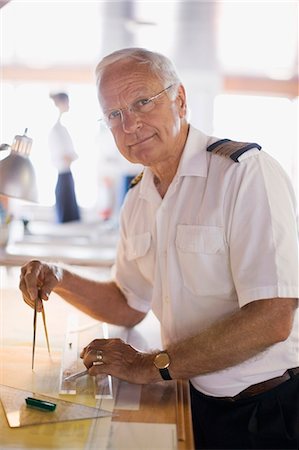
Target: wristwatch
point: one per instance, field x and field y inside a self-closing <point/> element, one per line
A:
<point x="162" y="362"/>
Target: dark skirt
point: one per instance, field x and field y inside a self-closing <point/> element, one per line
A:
<point x="67" y="209"/>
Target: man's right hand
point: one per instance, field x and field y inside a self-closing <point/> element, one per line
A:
<point x="37" y="280"/>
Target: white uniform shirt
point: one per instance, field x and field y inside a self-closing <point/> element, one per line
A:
<point x="223" y="236"/>
<point x="61" y="148"/>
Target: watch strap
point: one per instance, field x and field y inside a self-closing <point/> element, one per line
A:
<point x="165" y="374"/>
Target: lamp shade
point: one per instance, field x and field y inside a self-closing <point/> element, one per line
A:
<point x="17" y="177"/>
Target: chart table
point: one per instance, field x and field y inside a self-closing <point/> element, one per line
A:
<point x="150" y="417"/>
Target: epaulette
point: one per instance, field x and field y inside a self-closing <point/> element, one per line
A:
<point x="231" y="149"/>
<point x="136" y="180"/>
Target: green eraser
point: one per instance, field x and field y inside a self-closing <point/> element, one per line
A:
<point x="40" y="404"/>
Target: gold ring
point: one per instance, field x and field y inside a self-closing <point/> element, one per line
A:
<point x="99" y="355"/>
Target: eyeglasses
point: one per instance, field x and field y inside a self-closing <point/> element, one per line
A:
<point x="115" y="117"/>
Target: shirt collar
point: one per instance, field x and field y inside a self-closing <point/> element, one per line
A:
<point x="194" y="158"/>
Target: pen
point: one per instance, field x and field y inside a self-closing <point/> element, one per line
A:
<point x="76" y="375"/>
<point x="40" y="404"/>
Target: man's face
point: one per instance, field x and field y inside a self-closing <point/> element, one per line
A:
<point x="151" y="138"/>
<point x="62" y="105"/>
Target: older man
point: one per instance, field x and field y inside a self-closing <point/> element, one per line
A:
<point x="208" y="241"/>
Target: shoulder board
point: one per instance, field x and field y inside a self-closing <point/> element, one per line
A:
<point x="231" y="149"/>
<point x="136" y="180"/>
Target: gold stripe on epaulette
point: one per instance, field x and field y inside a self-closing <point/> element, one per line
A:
<point x="231" y="149"/>
<point x="136" y="180"/>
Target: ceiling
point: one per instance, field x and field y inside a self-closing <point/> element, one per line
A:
<point x="243" y="38"/>
<point x="185" y="30"/>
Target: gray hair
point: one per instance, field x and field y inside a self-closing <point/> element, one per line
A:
<point x="158" y="64"/>
<point x="59" y="96"/>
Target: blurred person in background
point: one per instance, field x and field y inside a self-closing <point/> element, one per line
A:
<point x="63" y="155"/>
<point x="208" y="242"/>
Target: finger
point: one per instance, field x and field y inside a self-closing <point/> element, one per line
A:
<point x="96" y="344"/>
<point x="50" y="275"/>
<point x="82" y="353"/>
<point x="93" y="357"/>
<point x="39" y="279"/>
<point x="31" y="303"/>
<point x="98" y="369"/>
<point x="28" y="300"/>
<point x="26" y="297"/>
<point x="29" y="279"/>
<point x="29" y="295"/>
<point x="44" y="293"/>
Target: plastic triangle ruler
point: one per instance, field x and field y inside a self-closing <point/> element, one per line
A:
<point x="75" y="339"/>
<point x="18" y="414"/>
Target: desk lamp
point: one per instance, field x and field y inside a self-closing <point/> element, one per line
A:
<point x="17" y="177"/>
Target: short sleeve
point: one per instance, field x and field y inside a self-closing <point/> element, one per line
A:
<point x="263" y="235"/>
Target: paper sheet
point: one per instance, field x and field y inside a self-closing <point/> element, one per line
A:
<point x="145" y="436"/>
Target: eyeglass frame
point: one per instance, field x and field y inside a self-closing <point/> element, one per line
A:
<point x="131" y="107"/>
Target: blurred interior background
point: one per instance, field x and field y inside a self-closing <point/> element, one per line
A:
<point x="237" y="59"/>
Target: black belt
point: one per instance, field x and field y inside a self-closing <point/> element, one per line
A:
<point x="264" y="386"/>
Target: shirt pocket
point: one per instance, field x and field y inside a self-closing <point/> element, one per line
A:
<point x="203" y="259"/>
<point x="139" y="250"/>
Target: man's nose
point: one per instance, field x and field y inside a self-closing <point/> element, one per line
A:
<point x="130" y="121"/>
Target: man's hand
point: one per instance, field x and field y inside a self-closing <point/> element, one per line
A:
<point x="37" y="280"/>
<point x="121" y="360"/>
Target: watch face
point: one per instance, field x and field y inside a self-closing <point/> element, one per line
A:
<point x="162" y="360"/>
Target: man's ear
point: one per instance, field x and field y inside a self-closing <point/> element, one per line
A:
<point x="181" y="100"/>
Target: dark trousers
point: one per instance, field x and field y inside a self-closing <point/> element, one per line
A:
<point x="66" y="204"/>
<point x="266" y="421"/>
